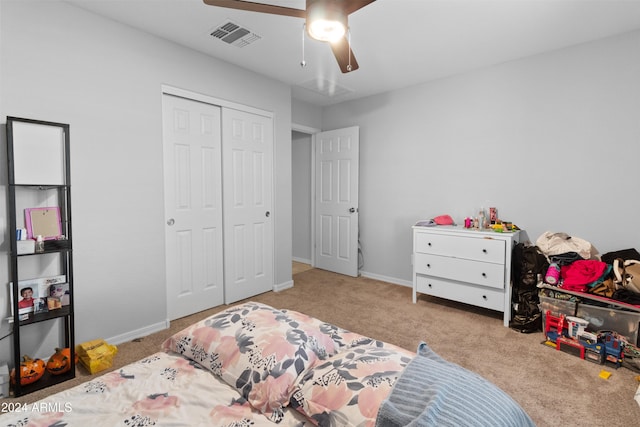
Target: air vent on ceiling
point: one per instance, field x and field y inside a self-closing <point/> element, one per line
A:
<point x="325" y="88"/>
<point x="234" y="34"/>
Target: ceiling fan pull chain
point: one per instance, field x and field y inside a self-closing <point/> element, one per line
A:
<point x="303" y="63"/>
<point x="349" y="39"/>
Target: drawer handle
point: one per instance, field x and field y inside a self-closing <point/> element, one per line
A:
<point x="429" y="244"/>
<point x="429" y="285"/>
<point x="484" y="275"/>
<point x="428" y="265"/>
<point x="484" y="297"/>
<point x="484" y="251"/>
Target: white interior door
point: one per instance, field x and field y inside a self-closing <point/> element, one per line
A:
<point x="193" y="205"/>
<point x="247" y="156"/>
<point x="336" y="200"/>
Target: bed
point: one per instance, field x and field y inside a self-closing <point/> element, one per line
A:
<point x="254" y="365"/>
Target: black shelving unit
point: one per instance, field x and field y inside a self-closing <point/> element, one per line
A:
<point x="34" y="146"/>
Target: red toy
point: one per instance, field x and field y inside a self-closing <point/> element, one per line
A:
<point x="601" y="347"/>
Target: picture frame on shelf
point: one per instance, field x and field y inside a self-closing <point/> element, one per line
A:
<point x="57" y="295"/>
<point x="43" y="221"/>
<point x="28" y="293"/>
<point x="40" y="305"/>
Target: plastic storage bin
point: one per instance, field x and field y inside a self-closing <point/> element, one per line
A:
<point x="625" y="323"/>
<point x="557" y="307"/>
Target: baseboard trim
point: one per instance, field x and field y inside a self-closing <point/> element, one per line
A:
<point x="138" y="333"/>
<point x="283" y="286"/>
<point x="387" y="279"/>
<point x="302" y="260"/>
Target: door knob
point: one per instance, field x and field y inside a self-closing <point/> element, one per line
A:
<point x="171" y="221"/>
<point x="352" y="210"/>
<point x="267" y="214"/>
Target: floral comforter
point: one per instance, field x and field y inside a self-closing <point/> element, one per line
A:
<point x="249" y="365"/>
<point x="164" y="389"/>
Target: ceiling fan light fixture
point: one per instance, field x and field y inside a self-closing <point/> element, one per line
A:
<point x="326" y="31"/>
<point x="325" y="21"/>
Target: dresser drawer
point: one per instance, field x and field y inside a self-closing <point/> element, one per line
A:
<point x="463" y="270"/>
<point x="482" y="297"/>
<point x="476" y="248"/>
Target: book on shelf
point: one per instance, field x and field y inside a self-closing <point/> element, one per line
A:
<point x="21" y="234"/>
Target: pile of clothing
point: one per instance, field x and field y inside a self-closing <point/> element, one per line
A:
<point x="582" y="269"/>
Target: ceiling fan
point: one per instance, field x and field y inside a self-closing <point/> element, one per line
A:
<point x="326" y="20"/>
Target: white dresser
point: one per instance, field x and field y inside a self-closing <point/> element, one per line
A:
<point x="465" y="265"/>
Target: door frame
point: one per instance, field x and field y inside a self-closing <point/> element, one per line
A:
<point x="223" y="103"/>
<point x="208" y="99"/>
<point x="312" y="132"/>
<point x="312" y="191"/>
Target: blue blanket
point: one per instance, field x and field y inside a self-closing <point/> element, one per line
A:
<point x="434" y="392"/>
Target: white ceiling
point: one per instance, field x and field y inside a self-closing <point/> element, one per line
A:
<point x="397" y="43"/>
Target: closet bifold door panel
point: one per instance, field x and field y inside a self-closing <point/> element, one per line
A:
<point x="40" y="244"/>
<point x="193" y="205"/>
<point x="218" y="186"/>
<point x="247" y="166"/>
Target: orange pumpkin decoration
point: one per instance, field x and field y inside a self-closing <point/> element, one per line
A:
<point x="31" y="370"/>
<point x="60" y="362"/>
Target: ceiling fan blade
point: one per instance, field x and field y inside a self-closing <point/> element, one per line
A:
<point x="350" y="6"/>
<point x="344" y="55"/>
<point x="258" y="7"/>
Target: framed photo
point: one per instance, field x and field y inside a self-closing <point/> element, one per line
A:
<point x="28" y="293"/>
<point x="57" y="295"/>
<point x="43" y="222"/>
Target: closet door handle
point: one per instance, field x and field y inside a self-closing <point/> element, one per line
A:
<point x="267" y="214"/>
<point x="171" y="221"/>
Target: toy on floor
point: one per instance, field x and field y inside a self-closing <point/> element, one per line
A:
<point x="571" y="337"/>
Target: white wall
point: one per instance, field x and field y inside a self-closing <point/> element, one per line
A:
<point x="552" y="141"/>
<point x="305" y="114"/>
<point x="60" y="63"/>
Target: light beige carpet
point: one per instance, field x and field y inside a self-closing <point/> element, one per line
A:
<point x="299" y="267"/>
<point x="555" y="388"/>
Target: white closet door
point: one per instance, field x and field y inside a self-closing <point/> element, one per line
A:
<point x="193" y="205"/>
<point x="247" y="159"/>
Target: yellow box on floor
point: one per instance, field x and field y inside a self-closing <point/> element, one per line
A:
<point x="96" y="355"/>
